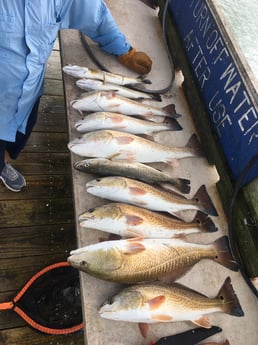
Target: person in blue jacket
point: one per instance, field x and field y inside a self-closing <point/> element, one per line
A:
<point x="28" y="30"/>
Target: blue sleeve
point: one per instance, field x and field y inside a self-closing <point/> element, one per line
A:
<point x="93" y="18"/>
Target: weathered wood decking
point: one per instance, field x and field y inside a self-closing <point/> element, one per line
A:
<point x="37" y="226"/>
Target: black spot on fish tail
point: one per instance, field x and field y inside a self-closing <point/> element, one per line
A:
<point x="229" y="300"/>
<point x="204" y="222"/>
<point x="172" y="123"/>
<point x="204" y="202"/>
<point x="224" y="256"/>
<point x="194" y="144"/>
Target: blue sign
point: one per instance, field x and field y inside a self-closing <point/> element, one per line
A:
<point x="233" y="115"/>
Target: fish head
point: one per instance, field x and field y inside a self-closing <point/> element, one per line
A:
<point x="88" y="84"/>
<point x="75" y="71"/>
<point x="96" y="259"/>
<point x="122" y="306"/>
<point x="106" y="186"/>
<point x="99" y="215"/>
<point x="86" y="144"/>
<point x="86" y="100"/>
<point x="77" y="146"/>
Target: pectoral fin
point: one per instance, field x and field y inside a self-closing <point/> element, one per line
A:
<point x="203" y="321"/>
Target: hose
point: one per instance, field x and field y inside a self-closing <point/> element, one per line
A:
<point x="134" y="87"/>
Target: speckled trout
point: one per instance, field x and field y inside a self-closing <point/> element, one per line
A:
<point x="137" y="260"/>
<point x="115" y="78"/>
<point x="111" y="102"/>
<point x="122" y="189"/>
<point x="98" y="85"/>
<point x="135" y="170"/>
<point x="152" y="303"/>
<point x="124" y="123"/>
<point x="131" y="221"/>
<point x="117" y="145"/>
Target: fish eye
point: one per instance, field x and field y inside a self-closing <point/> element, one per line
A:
<point x="83" y="263"/>
<point x="98" y="179"/>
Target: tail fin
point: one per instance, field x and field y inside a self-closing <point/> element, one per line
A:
<point x="224" y="256"/>
<point x="143" y="79"/>
<point x="170" y="110"/>
<point x="180" y="184"/>
<point x="156" y="97"/>
<point x="172" y="123"/>
<point x="203" y="199"/>
<point x="229" y="300"/>
<point x="205" y="223"/>
<point x="194" y="144"/>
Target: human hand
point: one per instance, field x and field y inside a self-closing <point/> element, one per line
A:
<point x="136" y="61"/>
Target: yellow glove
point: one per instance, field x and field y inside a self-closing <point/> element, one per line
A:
<point x="136" y="61"/>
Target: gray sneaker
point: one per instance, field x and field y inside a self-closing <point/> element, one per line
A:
<point x="12" y="179"/>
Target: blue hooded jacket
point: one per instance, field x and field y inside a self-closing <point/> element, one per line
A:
<point x="28" y="30"/>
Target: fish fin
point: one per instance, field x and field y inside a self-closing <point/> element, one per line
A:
<point x="162" y="318"/>
<point x="172" y="123"/>
<point x="131" y="233"/>
<point x="181" y="184"/>
<point x="147" y="137"/>
<point x="117" y="118"/>
<point x="176" y="194"/>
<point x="224" y="256"/>
<point x="150" y="3"/>
<point x="170" y="110"/>
<point x="156" y="302"/>
<point x="143" y="327"/>
<point x="229" y="300"/>
<point x="156" y="97"/>
<point x="143" y="79"/>
<point x="134" y="247"/>
<point x="203" y="321"/>
<point x="133" y="220"/>
<point x="226" y="342"/>
<point x="124" y="140"/>
<point x="203" y="199"/>
<point x="205" y="222"/>
<point x="137" y="191"/>
<point x="195" y="146"/>
<point x="173" y="162"/>
<point x="181" y="237"/>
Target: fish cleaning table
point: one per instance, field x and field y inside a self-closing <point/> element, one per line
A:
<point x="143" y="29"/>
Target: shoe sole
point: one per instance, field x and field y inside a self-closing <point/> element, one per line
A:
<point x="10" y="188"/>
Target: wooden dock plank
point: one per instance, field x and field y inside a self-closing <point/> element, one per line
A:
<point x="37" y="225"/>
<point x="24" y="335"/>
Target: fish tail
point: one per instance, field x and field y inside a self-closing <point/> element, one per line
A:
<point x="143" y="79"/>
<point x="170" y="110"/>
<point x="182" y="184"/>
<point x="204" y="201"/>
<point x="195" y="145"/>
<point x="229" y="300"/>
<point x="156" y="97"/>
<point x="172" y="123"/>
<point x="224" y="256"/>
<point x="205" y="223"/>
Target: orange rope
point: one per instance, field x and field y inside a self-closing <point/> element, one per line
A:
<point x="36" y="276"/>
<point x="43" y="329"/>
<point x="25" y="317"/>
<point x="6" y="305"/>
